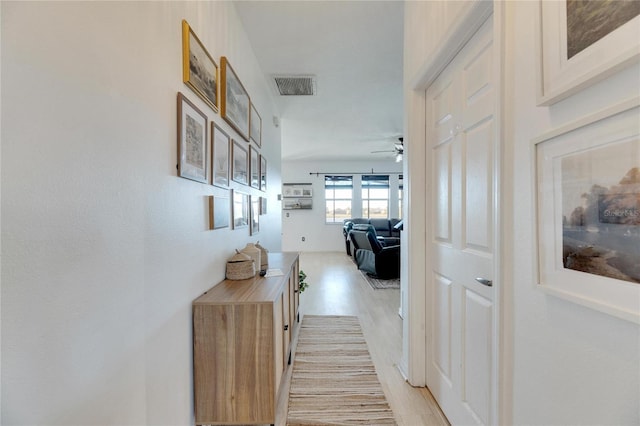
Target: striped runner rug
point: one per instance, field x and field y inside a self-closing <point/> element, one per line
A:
<point x="334" y="381"/>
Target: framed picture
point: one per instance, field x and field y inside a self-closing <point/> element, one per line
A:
<point x="263" y="205"/>
<point x="192" y="141"/>
<point x="298" y="190"/>
<point x="234" y="102"/>
<point x="255" y="215"/>
<point x="297" y="203"/>
<point x="588" y="211"/>
<point x="582" y="42"/>
<point x="219" y="211"/>
<point x="263" y="173"/>
<point x="199" y="70"/>
<point x="255" y="128"/>
<point x="240" y="208"/>
<point x="220" y="143"/>
<point x="240" y="161"/>
<point x="254" y="167"/>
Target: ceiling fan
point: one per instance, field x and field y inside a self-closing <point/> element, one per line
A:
<point x="398" y="150"/>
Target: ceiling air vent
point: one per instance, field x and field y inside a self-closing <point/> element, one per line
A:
<point x="296" y="85"/>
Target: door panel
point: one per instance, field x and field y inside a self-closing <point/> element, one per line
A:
<point x="477" y="354"/>
<point x="478" y="189"/>
<point x="442" y="316"/>
<point x="460" y="126"/>
<point x="442" y="167"/>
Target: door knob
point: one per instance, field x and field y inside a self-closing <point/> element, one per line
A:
<point x="485" y="281"/>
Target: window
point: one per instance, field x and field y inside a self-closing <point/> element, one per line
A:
<point x="338" y="192"/>
<point x="400" y="196"/>
<point x="375" y="196"/>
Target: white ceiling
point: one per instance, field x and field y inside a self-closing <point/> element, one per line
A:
<point x="354" y="48"/>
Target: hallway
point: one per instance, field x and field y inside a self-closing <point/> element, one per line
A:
<point x="337" y="288"/>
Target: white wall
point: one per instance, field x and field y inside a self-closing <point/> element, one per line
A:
<point x="103" y="247"/>
<point x="571" y="365"/>
<point x="310" y="224"/>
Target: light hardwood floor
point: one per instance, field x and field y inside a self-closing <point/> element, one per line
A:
<point x="336" y="287"/>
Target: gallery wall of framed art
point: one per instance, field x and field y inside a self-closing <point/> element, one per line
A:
<point x="236" y="165"/>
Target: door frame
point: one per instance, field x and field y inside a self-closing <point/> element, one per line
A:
<point x="418" y="214"/>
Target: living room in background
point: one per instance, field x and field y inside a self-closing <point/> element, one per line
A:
<point x="375" y="196"/>
<point x="338" y="191"/>
<point x="400" y="181"/>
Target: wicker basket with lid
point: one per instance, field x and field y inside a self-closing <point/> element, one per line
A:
<point x="240" y="267"/>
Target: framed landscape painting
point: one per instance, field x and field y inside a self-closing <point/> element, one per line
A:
<point x="220" y="156"/>
<point x="241" y="210"/>
<point x="219" y="211"/>
<point x="582" y="42"/>
<point x="255" y="129"/>
<point x="263" y="173"/>
<point x="235" y="102"/>
<point x="192" y="141"/>
<point x="588" y="210"/>
<point x="240" y="162"/>
<point x="254" y="167"/>
<point x="255" y="215"/>
<point x="199" y="70"/>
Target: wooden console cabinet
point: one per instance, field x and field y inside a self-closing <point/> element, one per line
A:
<point x="242" y="333"/>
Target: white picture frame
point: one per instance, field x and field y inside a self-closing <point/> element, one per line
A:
<point x="561" y="76"/>
<point x="586" y="160"/>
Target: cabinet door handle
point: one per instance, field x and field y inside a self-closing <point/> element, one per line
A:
<point x="295" y="291"/>
<point x="286" y="327"/>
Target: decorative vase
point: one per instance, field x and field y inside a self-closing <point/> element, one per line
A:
<point x="254" y="253"/>
<point x="264" y="257"/>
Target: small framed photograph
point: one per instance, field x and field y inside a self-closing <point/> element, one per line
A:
<point x="254" y="167"/>
<point x="199" y="70"/>
<point x="255" y="215"/>
<point x="582" y="42"/>
<point x="588" y="211"/>
<point x="263" y="173"/>
<point x="240" y="162"/>
<point x="193" y="160"/>
<point x="234" y="102"/>
<point x="219" y="212"/>
<point x="220" y="143"/>
<point x="241" y="210"/>
<point x="255" y="129"/>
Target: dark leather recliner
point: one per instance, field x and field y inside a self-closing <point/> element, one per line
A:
<point x="385" y="229"/>
<point x="346" y="227"/>
<point x="371" y="256"/>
